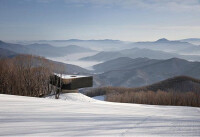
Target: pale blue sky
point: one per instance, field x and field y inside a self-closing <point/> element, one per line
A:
<point x="129" y="20"/>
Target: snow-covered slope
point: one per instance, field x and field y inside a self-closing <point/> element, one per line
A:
<point x="27" y="116"/>
<point x="74" y="97"/>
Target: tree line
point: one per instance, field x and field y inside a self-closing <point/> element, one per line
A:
<point x="145" y="96"/>
<point x="157" y="98"/>
<point x="26" y="75"/>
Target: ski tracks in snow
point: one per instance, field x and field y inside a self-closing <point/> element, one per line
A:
<point x="135" y="126"/>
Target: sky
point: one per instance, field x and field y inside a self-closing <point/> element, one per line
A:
<point x="127" y="20"/>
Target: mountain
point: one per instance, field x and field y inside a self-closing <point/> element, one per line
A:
<point x="46" y="50"/>
<point x="6" y="53"/>
<point x="191" y="51"/>
<point x="73" y="69"/>
<point x="174" y="84"/>
<point x="145" y="72"/>
<point x="178" y="84"/>
<point x="79" y="40"/>
<point x="138" y="53"/>
<point x="195" y="41"/>
<point x="123" y="63"/>
<point x="116" y="45"/>
<point x="68" y="68"/>
<point x="100" y="45"/>
<point x="131" y="53"/>
<point x="163" y="45"/>
<point x="103" y="56"/>
<point x="112" y="64"/>
<point x="75" y="49"/>
<point x="153" y="54"/>
<point x="49" y="50"/>
<point x="163" y="40"/>
<point x="43" y="49"/>
<point x="17" y="48"/>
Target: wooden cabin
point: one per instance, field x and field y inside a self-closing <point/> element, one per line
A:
<point x="71" y="83"/>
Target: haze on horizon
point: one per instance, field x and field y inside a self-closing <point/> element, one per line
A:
<point x="128" y="20"/>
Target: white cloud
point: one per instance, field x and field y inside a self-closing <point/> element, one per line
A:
<point x="40" y="1"/>
<point x="175" y="5"/>
<point x="172" y="5"/>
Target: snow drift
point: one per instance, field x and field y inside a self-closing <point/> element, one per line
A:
<point x="73" y="97"/>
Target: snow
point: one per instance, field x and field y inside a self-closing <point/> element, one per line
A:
<point x="64" y="76"/>
<point x="74" y="97"/>
<point x="28" y="116"/>
<point x="102" y="98"/>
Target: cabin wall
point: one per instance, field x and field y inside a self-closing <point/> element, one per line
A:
<point x="81" y="82"/>
<point x="72" y="83"/>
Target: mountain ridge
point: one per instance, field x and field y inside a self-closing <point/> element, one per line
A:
<point x="46" y="50"/>
<point x="136" y="53"/>
<point x="147" y="73"/>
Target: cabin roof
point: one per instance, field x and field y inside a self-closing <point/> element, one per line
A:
<point x="64" y="76"/>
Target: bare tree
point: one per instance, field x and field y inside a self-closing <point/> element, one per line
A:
<point x="25" y="75"/>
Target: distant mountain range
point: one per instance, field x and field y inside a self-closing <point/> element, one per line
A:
<point x="126" y="72"/>
<point x="160" y="49"/>
<point x="163" y="45"/>
<point x="7" y="53"/>
<point x="175" y="46"/>
<point x="195" y="41"/>
<point x="73" y="69"/>
<point x="174" y="84"/>
<point x="132" y="65"/>
<point x="137" y="53"/>
<point x="178" y="84"/>
<point x="191" y="51"/>
<point x="100" y="45"/>
<point x="104" y="56"/>
<point x="79" y="40"/>
<point x="11" y="50"/>
<point x="48" y="50"/>
<point x="123" y="63"/>
<point x="17" y="48"/>
<point x="43" y="49"/>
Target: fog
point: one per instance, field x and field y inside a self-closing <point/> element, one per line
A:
<point x="75" y="60"/>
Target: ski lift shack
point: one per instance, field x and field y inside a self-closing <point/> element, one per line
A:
<point x="71" y="83"/>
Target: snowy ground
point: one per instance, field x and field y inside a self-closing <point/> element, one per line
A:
<point x="78" y="115"/>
